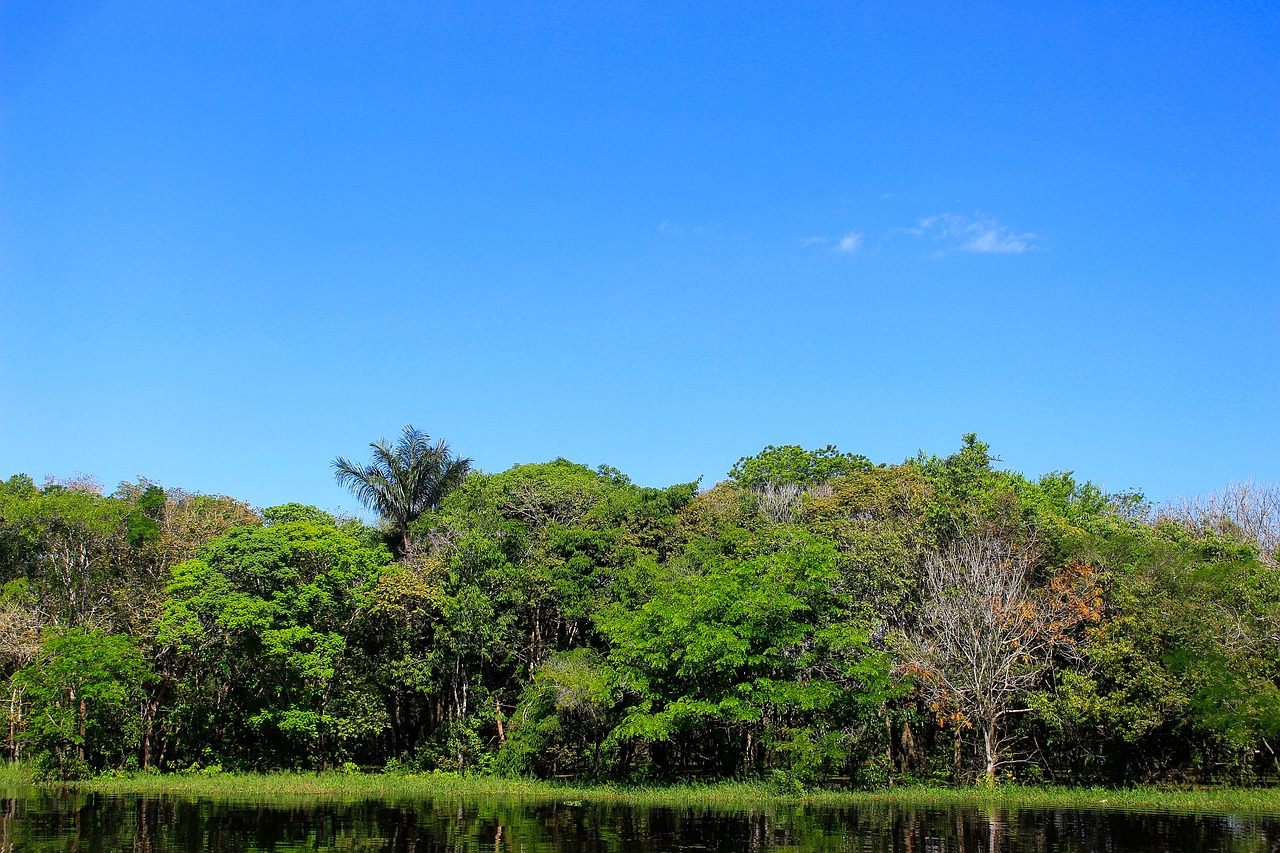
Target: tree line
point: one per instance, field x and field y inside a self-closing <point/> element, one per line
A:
<point x="813" y="619"/>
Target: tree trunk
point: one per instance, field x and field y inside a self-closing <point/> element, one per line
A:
<point x="84" y="716"/>
<point x="150" y="731"/>
<point x="989" y="747"/>
<point x="910" y="755"/>
<point x="15" y="719"/>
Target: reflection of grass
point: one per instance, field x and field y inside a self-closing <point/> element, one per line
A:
<point x="732" y="796"/>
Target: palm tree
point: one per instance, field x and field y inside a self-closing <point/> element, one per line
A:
<point x="403" y="482"/>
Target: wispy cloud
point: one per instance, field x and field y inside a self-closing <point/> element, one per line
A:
<point x="849" y="243"/>
<point x="976" y="234"/>
<point x="949" y="232"/>
<point x="671" y="227"/>
<point x="846" y="244"/>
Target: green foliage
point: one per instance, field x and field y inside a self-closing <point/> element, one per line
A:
<point x="559" y="620"/>
<point x="70" y="543"/>
<point x="286" y="513"/>
<point x="260" y="622"/>
<point x="404" y="481"/>
<point x="83" y="690"/>
<point x="143" y="521"/>
<point x="754" y="643"/>
<point x="793" y="464"/>
<point x="19" y="486"/>
<point x="1181" y="674"/>
<point x="563" y="717"/>
<point x="877" y="521"/>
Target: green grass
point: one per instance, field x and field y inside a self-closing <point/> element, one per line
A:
<point x="724" y="795"/>
<point x="14" y="776"/>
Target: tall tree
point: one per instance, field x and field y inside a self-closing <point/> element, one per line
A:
<point x="255" y="635"/>
<point x="986" y="636"/>
<point x="404" y="481"/>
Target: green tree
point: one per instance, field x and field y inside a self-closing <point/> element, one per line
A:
<point x="70" y="542"/>
<point x="404" y="481"/>
<point x="255" y="636"/>
<point x="792" y="464"/>
<point x="83" y="689"/>
<point x="747" y="655"/>
<point x="1180" y="677"/>
<point x="518" y="563"/>
<point x="564" y="716"/>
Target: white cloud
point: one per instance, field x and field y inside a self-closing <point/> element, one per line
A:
<point x="845" y="245"/>
<point x="980" y="234"/>
<point x="673" y="228"/>
<point x="849" y="243"/>
<point x="950" y="232"/>
<point x="999" y="240"/>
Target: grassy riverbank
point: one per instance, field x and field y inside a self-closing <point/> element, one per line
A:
<point x="725" y="795"/>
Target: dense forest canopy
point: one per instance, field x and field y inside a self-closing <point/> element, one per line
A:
<point x="813" y="619"/>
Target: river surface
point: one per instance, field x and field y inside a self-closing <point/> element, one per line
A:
<point x="88" y="822"/>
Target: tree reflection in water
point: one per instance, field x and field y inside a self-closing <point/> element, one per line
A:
<point x="85" y="822"/>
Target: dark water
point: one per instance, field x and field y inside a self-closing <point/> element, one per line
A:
<point x="80" y="822"/>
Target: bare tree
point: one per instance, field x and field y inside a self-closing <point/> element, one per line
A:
<point x="1244" y="510"/>
<point x="985" y="637"/>
<point x="781" y="502"/>
<point x="20" y="628"/>
<point x="191" y="519"/>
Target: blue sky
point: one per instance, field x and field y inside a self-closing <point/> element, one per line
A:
<point x="238" y="239"/>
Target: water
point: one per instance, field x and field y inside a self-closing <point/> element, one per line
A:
<point x="85" y="822"/>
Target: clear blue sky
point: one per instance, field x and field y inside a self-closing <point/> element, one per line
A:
<point x="238" y="239"/>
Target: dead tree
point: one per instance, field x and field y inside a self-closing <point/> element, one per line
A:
<point x="1243" y="510"/>
<point x="985" y="637"/>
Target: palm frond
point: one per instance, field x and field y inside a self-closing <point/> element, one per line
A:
<point x="403" y="481"/>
